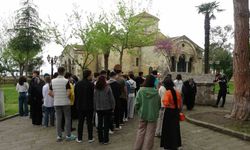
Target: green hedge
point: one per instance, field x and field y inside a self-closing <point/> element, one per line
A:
<point x="10" y="99"/>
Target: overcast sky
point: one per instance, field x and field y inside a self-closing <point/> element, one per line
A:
<point x="177" y="17"/>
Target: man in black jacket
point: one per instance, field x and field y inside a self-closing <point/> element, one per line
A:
<point x="116" y="93"/>
<point x="84" y="91"/>
<point x="36" y="98"/>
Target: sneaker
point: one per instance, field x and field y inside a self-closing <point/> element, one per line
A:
<point x="106" y="143"/>
<point x="70" y="138"/>
<point x="126" y="120"/>
<point x="111" y="132"/>
<point x="119" y="128"/>
<point x="59" y="139"/>
<point x="92" y="140"/>
<point x="78" y="141"/>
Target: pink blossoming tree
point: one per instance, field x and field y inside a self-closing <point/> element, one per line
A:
<point x="164" y="47"/>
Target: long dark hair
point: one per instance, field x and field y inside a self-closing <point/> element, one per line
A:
<point x="149" y="82"/>
<point x="101" y="83"/>
<point x="21" y="80"/>
<point x="169" y="85"/>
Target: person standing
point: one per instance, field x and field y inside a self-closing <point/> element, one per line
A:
<point x="131" y="95"/>
<point x="48" y="104"/>
<point x="139" y="81"/>
<point x="178" y="83"/>
<point x="104" y="104"/>
<point x="189" y="92"/>
<point x="124" y="92"/>
<point x="68" y="76"/>
<point x="171" y="135"/>
<point x="162" y="91"/>
<point x="60" y="90"/>
<point x="157" y="82"/>
<point x="22" y="88"/>
<point x="223" y="90"/>
<point x="148" y="105"/>
<point x="36" y="98"/>
<point x="84" y="92"/>
<point x="117" y="93"/>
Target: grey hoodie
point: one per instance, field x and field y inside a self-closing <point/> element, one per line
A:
<point x="104" y="99"/>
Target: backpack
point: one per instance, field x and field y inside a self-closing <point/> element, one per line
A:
<point x="131" y="88"/>
<point x="72" y="94"/>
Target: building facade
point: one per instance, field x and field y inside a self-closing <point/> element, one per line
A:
<point x="186" y="56"/>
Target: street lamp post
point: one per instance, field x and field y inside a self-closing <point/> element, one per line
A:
<point x="52" y="61"/>
<point x="214" y="64"/>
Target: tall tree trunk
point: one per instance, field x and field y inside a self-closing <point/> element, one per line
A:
<point x="106" y="60"/>
<point x="207" y="42"/>
<point x="241" y="103"/>
<point x="121" y="56"/>
<point x="97" y="63"/>
<point x="21" y="70"/>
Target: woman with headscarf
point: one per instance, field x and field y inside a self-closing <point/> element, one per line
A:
<point x="189" y="91"/>
<point x="171" y="135"/>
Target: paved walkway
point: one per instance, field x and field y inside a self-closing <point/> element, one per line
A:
<point x="19" y="134"/>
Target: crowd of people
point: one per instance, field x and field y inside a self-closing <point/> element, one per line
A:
<point x="107" y="100"/>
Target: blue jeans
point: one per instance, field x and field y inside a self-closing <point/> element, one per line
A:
<point x="23" y="104"/>
<point x="49" y="113"/>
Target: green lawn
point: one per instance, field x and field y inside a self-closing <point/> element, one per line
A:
<point x="230" y="87"/>
<point x="10" y="99"/>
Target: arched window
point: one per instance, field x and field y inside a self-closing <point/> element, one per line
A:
<point x="190" y="64"/>
<point x="181" y="64"/>
<point x="173" y="61"/>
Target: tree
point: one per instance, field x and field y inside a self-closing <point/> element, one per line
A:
<point x="220" y="49"/>
<point x="28" y="37"/>
<point x="208" y="9"/>
<point x="132" y="30"/>
<point x="241" y="102"/>
<point x="83" y="33"/>
<point x="165" y="48"/>
<point x="105" y="38"/>
<point x="9" y="62"/>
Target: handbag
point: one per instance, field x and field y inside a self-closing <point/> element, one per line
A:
<point x="182" y="116"/>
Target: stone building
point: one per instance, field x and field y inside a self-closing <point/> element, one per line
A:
<point x="188" y="59"/>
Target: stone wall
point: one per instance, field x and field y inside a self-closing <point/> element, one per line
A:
<point x="205" y="93"/>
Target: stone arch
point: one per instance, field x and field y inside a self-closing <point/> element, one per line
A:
<point x="182" y="41"/>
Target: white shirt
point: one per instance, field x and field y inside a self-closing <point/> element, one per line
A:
<point x="131" y="83"/>
<point x="178" y="85"/>
<point x="162" y="91"/>
<point x="22" y="88"/>
<point x="48" y="101"/>
<point x="60" y="92"/>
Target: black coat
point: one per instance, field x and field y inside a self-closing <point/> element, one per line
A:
<point x="84" y="93"/>
<point x="35" y="91"/>
<point x="189" y="93"/>
<point x="139" y="81"/>
<point x="115" y="86"/>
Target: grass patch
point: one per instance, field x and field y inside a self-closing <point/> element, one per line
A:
<point x="230" y="88"/>
<point x="10" y="99"/>
<point x="218" y="118"/>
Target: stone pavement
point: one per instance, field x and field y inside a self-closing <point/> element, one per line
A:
<point x="19" y="134"/>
